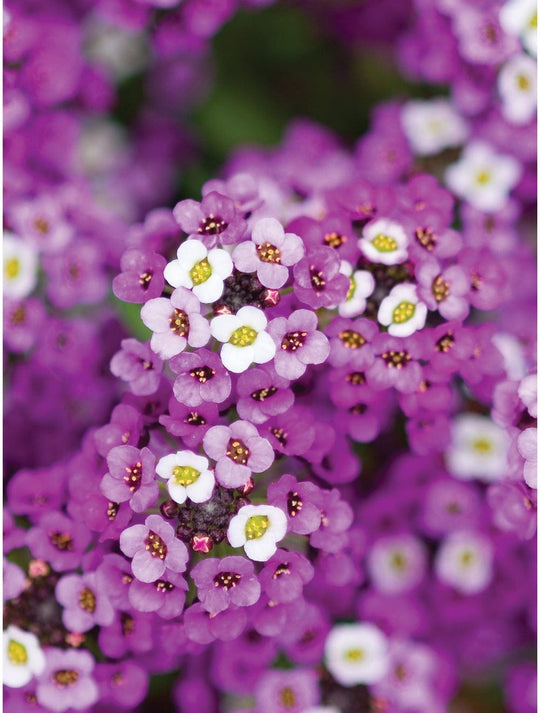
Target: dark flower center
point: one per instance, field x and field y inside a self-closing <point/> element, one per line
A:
<point x="237" y="451"/>
<point x="18" y="315"/>
<point x="195" y="419"/>
<point x="212" y="225"/>
<point x="227" y="580"/>
<point x="87" y="600"/>
<point x="356" y="378"/>
<point x="476" y="281"/>
<point x="41" y="225"/>
<point x="127" y="624"/>
<point x="280" y="435"/>
<point x="62" y="541"/>
<point x="440" y="289"/>
<point x="445" y="343"/>
<point x="269" y="253"/>
<point x="294" y="503"/>
<point x="426" y="238"/>
<point x="162" y="586"/>
<point x="287" y="697"/>
<point x="317" y="280"/>
<point x="293" y="341"/>
<point x="155" y="545"/>
<point x="334" y="240"/>
<point x="281" y="569"/>
<point x="202" y="374"/>
<point x="133" y="476"/>
<point x="112" y="510"/>
<point x="263" y="394"/>
<point x="65" y="677"/>
<point x="145" y="279"/>
<point x="358" y="409"/>
<point x="352" y="339"/>
<point x="179" y="322"/>
<point x="396" y="360"/>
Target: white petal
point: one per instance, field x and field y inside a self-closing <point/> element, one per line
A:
<point x="222" y="326"/>
<point x="237" y="359"/>
<point x="260" y="549"/>
<point x="202" y="489"/>
<point x="252" y="317"/>
<point x="220" y="262"/>
<point x="265" y="349"/>
<point x="177" y="492"/>
<point x="165" y="465"/>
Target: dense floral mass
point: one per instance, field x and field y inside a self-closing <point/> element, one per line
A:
<point x="301" y="476"/>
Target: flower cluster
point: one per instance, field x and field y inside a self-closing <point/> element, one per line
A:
<point x="311" y="486"/>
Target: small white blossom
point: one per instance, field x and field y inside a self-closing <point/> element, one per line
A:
<point x="402" y="311"/>
<point x="200" y="270"/>
<point x="432" y="125"/>
<point x="20" y="267"/>
<point x="187" y="476"/>
<point x="257" y="528"/>
<point x="465" y="562"/>
<point x="517" y="88"/>
<point x="519" y="18"/>
<point x="483" y="177"/>
<point x="478" y="450"/>
<point x="362" y="284"/>
<point x="244" y="340"/>
<point x="356" y="654"/>
<point x="396" y="563"/>
<point x="23" y="657"/>
<point x="384" y="241"/>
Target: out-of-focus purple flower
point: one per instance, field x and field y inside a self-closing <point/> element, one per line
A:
<point x="137" y="364"/>
<point x="84" y="604"/>
<point x="318" y="281"/>
<point x="67" y="680"/>
<point x="213" y="219"/>
<point x="59" y="540"/>
<point x="141" y="278"/>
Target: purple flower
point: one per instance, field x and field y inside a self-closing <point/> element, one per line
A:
<point x="124" y="428"/>
<point x="318" y="281"/>
<point x="190" y="422"/>
<point x="287" y="691"/>
<point x="396" y="363"/>
<point x="131" y="477"/>
<point x="443" y="290"/>
<point x="67" y="681"/>
<point x="201" y="377"/>
<point x="334" y="231"/>
<point x="154" y="549"/>
<point x="298" y="343"/>
<point x="138" y="365"/>
<point x="225" y="582"/>
<point x="270" y="253"/>
<point x="84" y="604"/>
<point x="124" y="684"/>
<point x="284" y="576"/>
<point x="292" y="432"/>
<point x="238" y="450"/>
<point x="203" y="627"/>
<point x="336" y="518"/>
<point x="213" y="219"/>
<point x="76" y="275"/>
<point x="130" y="631"/>
<point x="22" y="322"/>
<point x="175" y="323"/>
<point x="58" y="540"/>
<point x="165" y="596"/>
<point x="300" y="501"/>
<point x="141" y="278"/>
<point x="350" y="342"/>
<point x="262" y="393"/>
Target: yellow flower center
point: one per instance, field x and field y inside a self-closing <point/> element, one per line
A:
<point x="384" y="243"/>
<point x="483" y="177"/>
<point x="523" y="82"/>
<point x="403" y="312"/>
<point x="256" y="526"/>
<point x="12" y="267"/>
<point x="16" y="652"/>
<point x="185" y="475"/>
<point x="243" y="337"/>
<point x="354" y="655"/>
<point x="533" y="22"/>
<point x="467" y="558"/>
<point x="482" y="445"/>
<point x="352" y="288"/>
<point x="200" y="272"/>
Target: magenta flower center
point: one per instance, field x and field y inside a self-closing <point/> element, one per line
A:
<point x="445" y="343"/>
<point x="212" y="225"/>
<point x="280" y="435"/>
<point x="263" y="394"/>
<point x="202" y="374"/>
<point x="62" y="541"/>
<point x="87" y="600"/>
<point x="127" y="624"/>
<point x="112" y="510"/>
<point x="65" y="677"/>
<point x="356" y="378"/>
<point x="293" y="341"/>
<point x="294" y="503"/>
<point x="269" y="253"/>
<point x="396" y="360"/>
<point x="440" y="289"/>
<point x="351" y="339"/>
<point x="334" y="240"/>
<point x="317" y="280"/>
<point x="162" y="586"/>
<point x="133" y="476"/>
<point x="145" y="278"/>
<point x="426" y="238"/>
<point x="195" y="419"/>
<point x="179" y="322"/>
<point x="280" y="570"/>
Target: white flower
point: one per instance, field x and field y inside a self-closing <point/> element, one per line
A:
<point x="396" y="563"/>
<point x="356" y="654"/>
<point x="257" y="528"/>
<point x="517" y="87"/>
<point x="465" y="562"/>
<point x="432" y="125"/>
<point x="362" y="284"/>
<point x="478" y="450"/>
<point x="200" y="269"/>
<point x="20" y="267"/>
<point x="244" y="339"/>
<point x="23" y="657"/>
<point x="482" y="177"/>
<point x="187" y="476"/>
<point x="519" y="18"/>
<point x="402" y="311"/>
<point x="527" y="391"/>
<point x="384" y="241"/>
